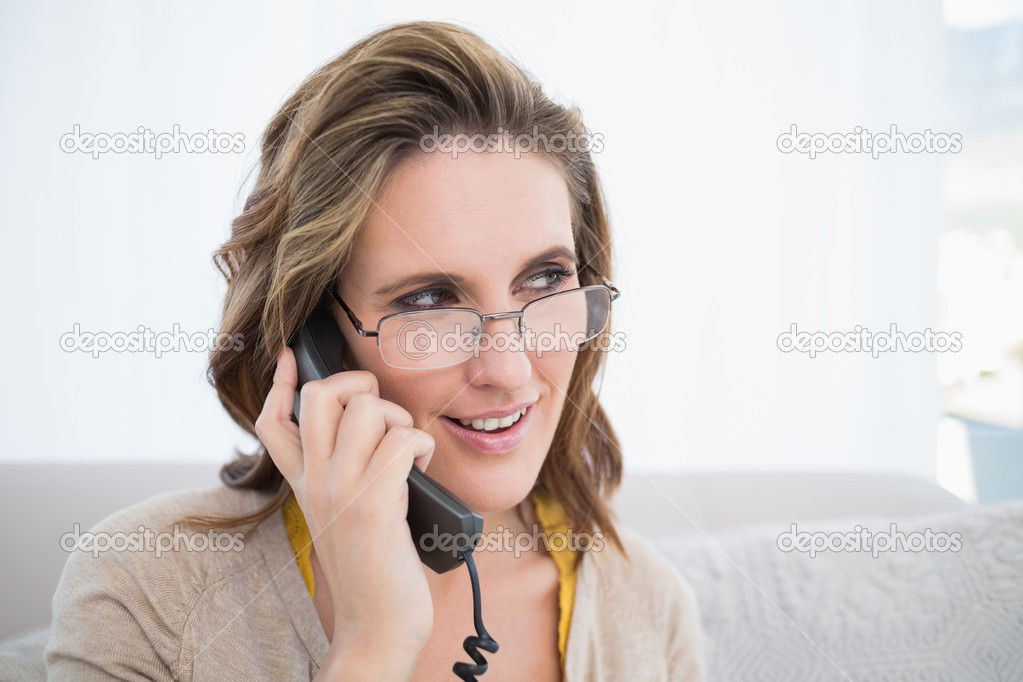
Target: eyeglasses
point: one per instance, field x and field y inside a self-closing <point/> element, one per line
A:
<point x="441" y="337"/>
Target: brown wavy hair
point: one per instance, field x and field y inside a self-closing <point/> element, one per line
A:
<point x="325" y="155"/>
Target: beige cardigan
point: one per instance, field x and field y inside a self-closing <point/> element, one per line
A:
<point x="245" y="614"/>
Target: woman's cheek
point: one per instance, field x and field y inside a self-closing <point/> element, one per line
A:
<point x="556" y="368"/>
<point x="422" y="394"/>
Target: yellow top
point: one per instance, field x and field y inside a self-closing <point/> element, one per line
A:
<point x="552" y="519"/>
<point x="548" y="512"/>
<point x="301" y="540"/>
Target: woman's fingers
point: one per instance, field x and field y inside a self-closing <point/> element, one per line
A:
<point x="323" y="403"/>
<point x="274" y="428"/>
<point x="367" y="418"/>
<point x="347" y="440"/>
<point x="398" y="449"/>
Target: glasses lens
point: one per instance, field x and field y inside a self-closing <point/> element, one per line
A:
<point x="429" y="339"/>
<point x="567" y="320"/>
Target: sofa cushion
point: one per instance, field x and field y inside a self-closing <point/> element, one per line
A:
<point x="21" y="657"/>
<point x="950" y="615"/>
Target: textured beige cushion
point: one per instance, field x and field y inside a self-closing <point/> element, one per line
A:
<point x="21" y="657"/>
<point x="769" y="614"/>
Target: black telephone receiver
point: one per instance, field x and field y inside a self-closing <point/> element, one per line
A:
<point x="431" y="508"/>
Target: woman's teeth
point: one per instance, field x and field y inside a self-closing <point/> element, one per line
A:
<point x="492" y="424"/>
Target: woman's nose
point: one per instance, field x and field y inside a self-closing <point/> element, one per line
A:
<point x="501" y="358"/>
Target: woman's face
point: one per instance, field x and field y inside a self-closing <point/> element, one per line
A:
<point x="500" y="227"/>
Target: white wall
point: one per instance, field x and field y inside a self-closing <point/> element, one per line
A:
<point x="723" y="241"/>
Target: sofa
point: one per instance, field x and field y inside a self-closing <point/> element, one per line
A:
<point x="800" y="575"/>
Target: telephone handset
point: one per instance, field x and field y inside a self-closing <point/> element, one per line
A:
<point x="431" y="508"/>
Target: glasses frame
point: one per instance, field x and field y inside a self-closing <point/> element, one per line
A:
<point x="611" y="288"/>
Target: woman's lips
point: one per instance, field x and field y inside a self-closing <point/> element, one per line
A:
<point x="492" y="443"/>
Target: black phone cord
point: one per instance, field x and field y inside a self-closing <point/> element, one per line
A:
<point x="472" y="645"/>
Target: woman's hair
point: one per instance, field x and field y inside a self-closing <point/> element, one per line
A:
<point x="326" y="154"/>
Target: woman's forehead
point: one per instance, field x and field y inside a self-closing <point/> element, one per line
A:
<point x="491" y="207"/>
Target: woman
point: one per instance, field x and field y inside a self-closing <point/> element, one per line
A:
<point x="419" y="171"/>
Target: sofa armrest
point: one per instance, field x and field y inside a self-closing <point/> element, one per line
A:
<point x="21" y="657"/>
<point x="935" y="611"/>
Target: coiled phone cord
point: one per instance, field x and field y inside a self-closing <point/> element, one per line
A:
<point x="472" y="645"/>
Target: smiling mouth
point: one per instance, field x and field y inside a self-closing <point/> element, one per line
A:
<point x="490" y="425"/>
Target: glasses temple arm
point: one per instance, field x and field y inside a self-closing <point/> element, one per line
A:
<point x="614" y="290"/>
<point x="351" y="315"/>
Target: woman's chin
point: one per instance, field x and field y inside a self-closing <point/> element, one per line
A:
<point x="489" y="494"/>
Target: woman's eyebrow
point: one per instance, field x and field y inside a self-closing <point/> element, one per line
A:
<point x="422" y="278"/>
<point x="550" y="254"/>
<point x="418" y="279"/>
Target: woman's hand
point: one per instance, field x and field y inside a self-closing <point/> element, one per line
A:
<point x="348" y="462"/>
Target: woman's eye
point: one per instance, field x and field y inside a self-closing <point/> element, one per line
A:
<point x="548" y="279"/>
<point x="430" y="297"/>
